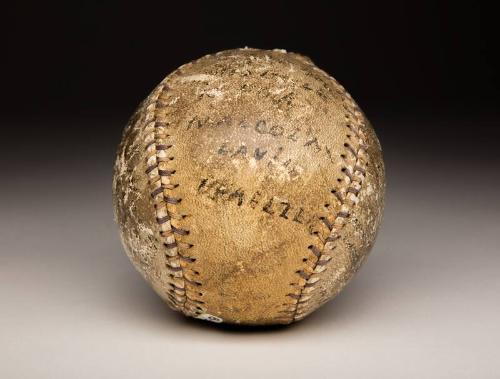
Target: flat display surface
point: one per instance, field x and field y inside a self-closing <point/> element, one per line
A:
<point x="425" y="304"/>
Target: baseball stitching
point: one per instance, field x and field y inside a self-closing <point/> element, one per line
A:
<point x="348" y="197"/>
<point x="183" y="293"/>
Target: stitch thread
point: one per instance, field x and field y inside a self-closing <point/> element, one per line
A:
<point x="179" y="294"/>
<point x="347" y="198"/>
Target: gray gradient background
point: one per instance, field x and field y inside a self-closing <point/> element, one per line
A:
<point x="426" y="303"/>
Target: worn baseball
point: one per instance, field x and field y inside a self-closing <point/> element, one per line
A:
<point x="248" y="187"/>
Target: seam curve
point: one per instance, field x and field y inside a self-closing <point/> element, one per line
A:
<point x="296" y="308"/>
<point x="183" y="293"/>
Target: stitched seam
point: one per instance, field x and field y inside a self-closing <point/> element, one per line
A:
<point x="348" y="197"/>
<point x="159" y="171"/>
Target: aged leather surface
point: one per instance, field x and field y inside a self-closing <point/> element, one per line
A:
<point x="248" y="187"/>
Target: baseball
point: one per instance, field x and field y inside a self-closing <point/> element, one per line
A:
<point x="248" y="187"/>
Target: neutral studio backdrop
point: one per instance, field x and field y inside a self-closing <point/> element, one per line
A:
<point x="426" y="303"/>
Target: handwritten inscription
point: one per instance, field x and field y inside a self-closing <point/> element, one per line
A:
<point x="220" y="191"/>
<point x="273" y="159"/>
<point x="269" y="151"/>
<point x="301" y="135"/>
